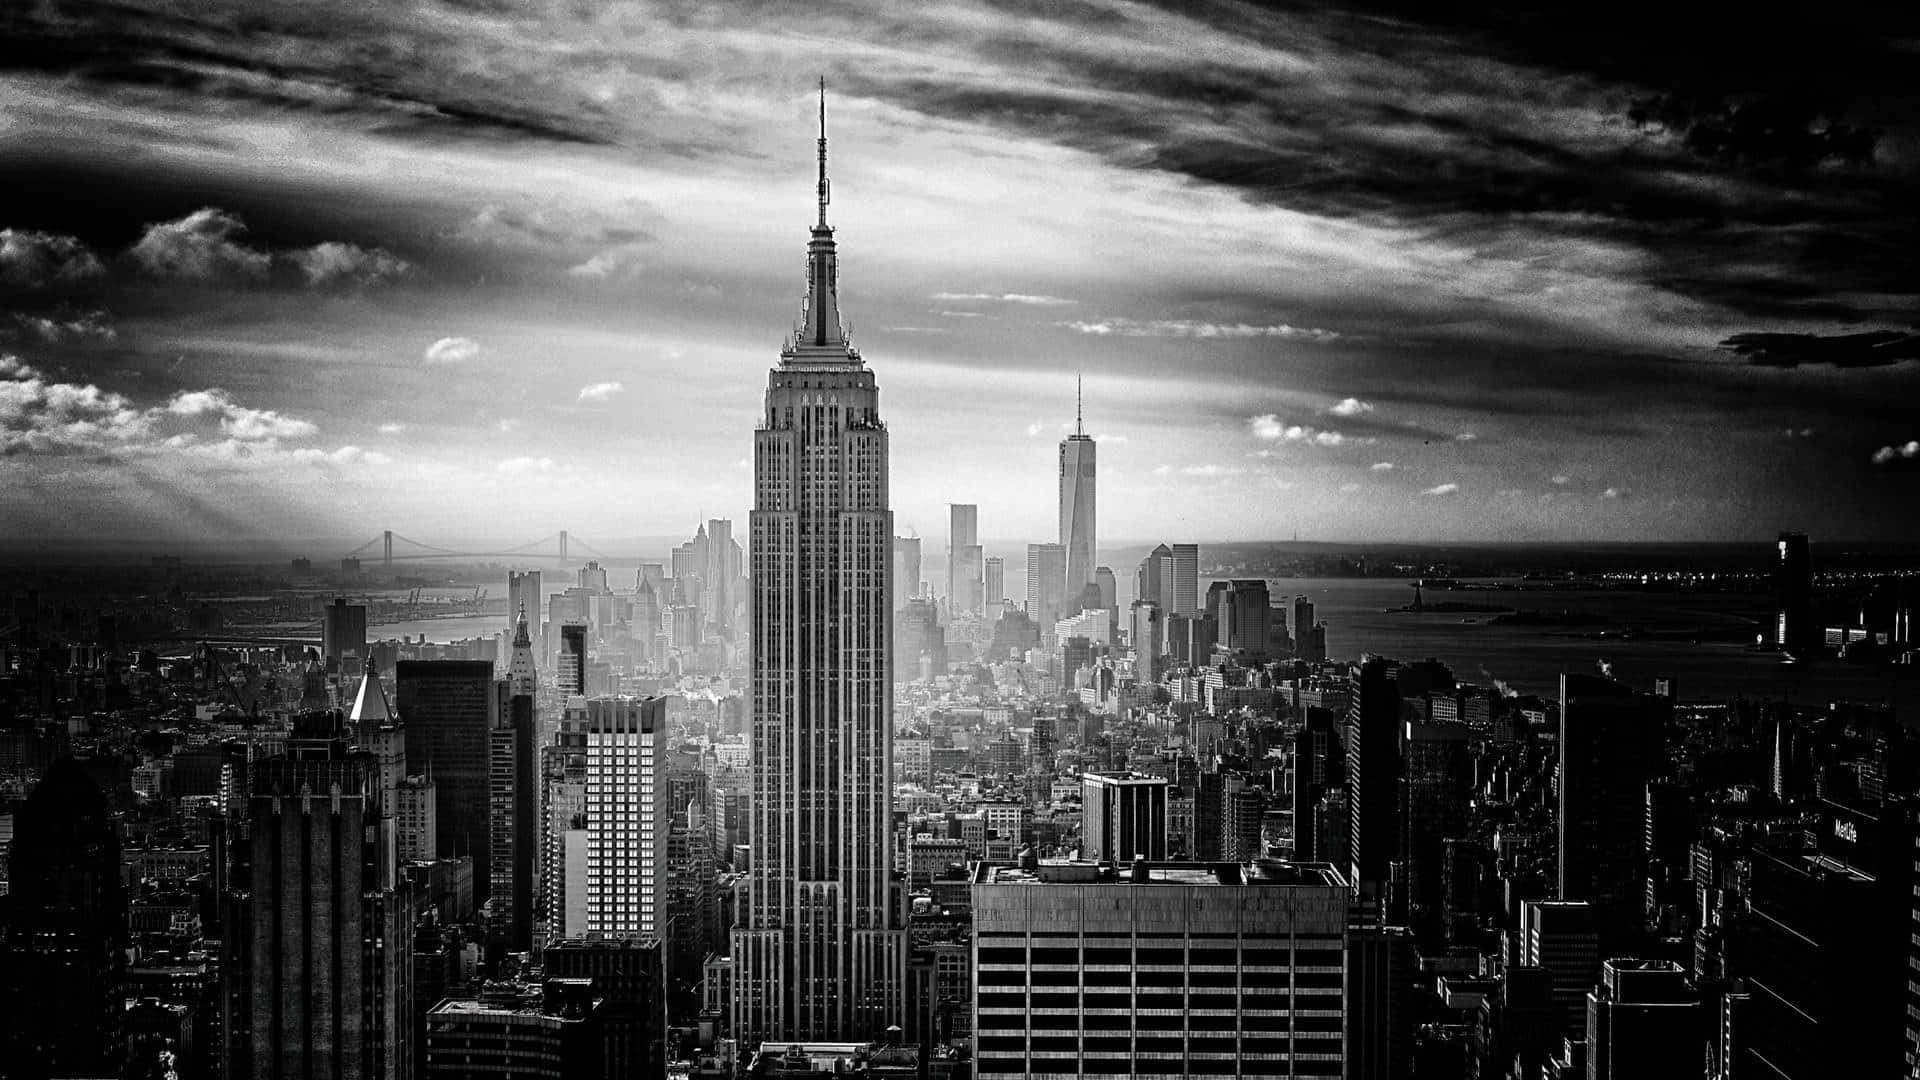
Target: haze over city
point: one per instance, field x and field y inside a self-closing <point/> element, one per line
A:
<point x="1360" y="274"/>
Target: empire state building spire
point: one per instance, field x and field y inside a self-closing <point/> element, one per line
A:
<point x="820" y="337"/>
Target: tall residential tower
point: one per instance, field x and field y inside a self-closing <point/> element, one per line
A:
<point x="818" y="953"/>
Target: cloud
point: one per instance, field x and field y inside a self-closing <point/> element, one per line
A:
<point x="600" y="391"/>
<point x="1182" y="328"/>
<point x="1465" y="436"/>
<point x="1029" y="299"/>
<point x="1441" y="489"/>
<point x="1348" y="489"/>
<point x="1381" y="466"/>
<point x="336" y="264"/>
<point x="346" y="455"/>
<point x="1614" y="493"/>
<point x="1908" y="449"/>
<point x="203" y="246"/>
<point x="608" y="264"/>
<point x="1800" y="433"/>
<point x="392" y="429"/>
<point x="1268" y="426"/>
<point x="1163" y="470"/>
<point x="516" y="466"/>
<point x="1211" y="471"/>
<point x="452" y="350"/>
<point x="1562" y="479"/>
<point x="42" y="417"/>
<point x="238" y="421"/>
<point x="1875" y="348"/>
<point x="1351" y="407"/>
<point x="90" y="328"/>
<point x="36" y="260"/>
<point x="1035" y="428"/>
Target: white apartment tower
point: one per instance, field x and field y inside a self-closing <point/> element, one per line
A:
<point x="626" y="835"/>
<point x="818" y="952"/>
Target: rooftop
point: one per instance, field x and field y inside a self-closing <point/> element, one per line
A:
<point x="1082" y="872"/>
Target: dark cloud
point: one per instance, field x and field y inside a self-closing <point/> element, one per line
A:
<point x="1863" y="350"/>
<point x="36" y="261"/>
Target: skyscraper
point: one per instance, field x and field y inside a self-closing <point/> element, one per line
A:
<point x="317" y="946"/>
<point x="523" y="594"/>
<point x="818" y="953"/>
<point x="906" y="570"/>
<point x="963" y="536"/>
<point x="1373" y="771"/>
<point x="1186" y="579"/>
<point x="62" y="947"/>
<point x="512" y="796"/>
<point x="996" y="587"/>
<point x="343" y="631"/>
<point x="450" y="708"/>
<point x="1046" y="585"/>
<point x="626" y="815"/>
<point x="1794" y="632"/>
<point x="1611" y="744"/>
<point x="1077" y="504"/>
<point x="1155" y="581"/>
<point x="1124" y="817"/>
<point x="572" y="674"/>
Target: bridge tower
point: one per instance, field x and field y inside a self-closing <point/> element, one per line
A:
<point x="386" y="548"/>
<point x="563" y="545"/>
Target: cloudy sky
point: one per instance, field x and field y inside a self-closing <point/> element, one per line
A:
<point x="488" y="269"/>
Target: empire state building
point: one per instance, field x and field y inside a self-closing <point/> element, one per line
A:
<point x="819" y="954"/>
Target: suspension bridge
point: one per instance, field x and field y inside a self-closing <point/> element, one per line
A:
<point x="392" y="548"/>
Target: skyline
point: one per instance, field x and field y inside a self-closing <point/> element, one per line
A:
<point x="1442" y="282"/>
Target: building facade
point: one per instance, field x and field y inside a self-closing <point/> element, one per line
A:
<point x="1159" y="969"/>
<point x="626" y="815"/>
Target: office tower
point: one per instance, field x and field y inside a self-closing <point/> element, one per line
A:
<point x="1243" y="808"/>
<point x="62" y="958"/>
<point x="1148" y="636"/>
<point x="1612" y="742"/>
<point x="647" y="611"/>
<point x="1109" y="589"/>
<point x="316" y="964"/>
<point x="524" y="595"/>
<point x="553" y="1032"/>
<point x="629" y="974"/>
<point x="1244" y="617"/>
<point x="722" y="569"/>
<point x="818" y="953"/>
<point x="1645" y="1023"/>
<point x="1077" y="514"/>
<point x="1563" y="936"/>
<point x="963" y="532"/>
<point x="1437" y="779"/>
<point x="513" y="779"/>
<point x="971" y="599"/>
<point x="1383" y="969"/>
<point x="626" y="815"/>
<point x="343" y="631"/>
<point x="1373" y="771"/>
<point x="450" y="708"/>
<point x="1185" y="579"/>
<point x="996" y="582"/>
<point x="1314" y="768"/>
<point x="1159" y="969"/>
<point x="571" y="675"/>
<point x="1123" y="817"/>
<point x="1155" y="579"/>
<point x="1046" y="585"/>
<point x="906" y="570"/>
<point x="1821" y="955"/>
<point x="1794" y="629"/>
<point x="414" y="819"/>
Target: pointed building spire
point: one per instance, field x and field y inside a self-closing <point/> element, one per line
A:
<point x="825" y="190"/>
<point x="1079" y="402"/>
<point x="521" y="636"/>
